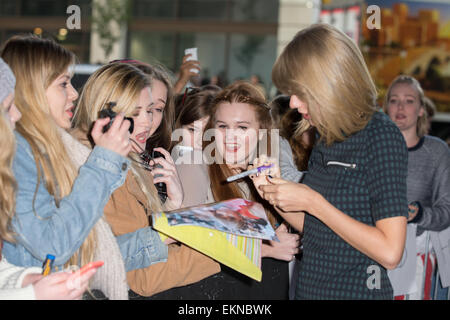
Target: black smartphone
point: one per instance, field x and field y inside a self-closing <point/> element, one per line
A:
<point x="108" y="112"/>
<point x="160" y="186"/>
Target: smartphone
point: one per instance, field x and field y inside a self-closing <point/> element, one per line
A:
<point x="193" y="53"/>
<point x="90" y="266"/>
<point x="160" y="186"/>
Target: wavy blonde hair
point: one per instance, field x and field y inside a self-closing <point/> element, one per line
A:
<point x="162" y="136"/>
<point x="422" y="121"/>
<point x="121" y="83"/>
<point x="7" y="181"/>
<point x="36" y="63"/>
<point x="325" y="69"/>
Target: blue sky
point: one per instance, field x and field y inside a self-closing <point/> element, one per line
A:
<point x="414" y="5"/>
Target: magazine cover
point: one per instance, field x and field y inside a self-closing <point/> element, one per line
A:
<point x="237" y="216"/>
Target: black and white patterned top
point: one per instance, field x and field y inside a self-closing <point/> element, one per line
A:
<point x="364" y="177"/>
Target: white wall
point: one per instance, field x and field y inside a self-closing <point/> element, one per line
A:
<point x="293" y="16"/>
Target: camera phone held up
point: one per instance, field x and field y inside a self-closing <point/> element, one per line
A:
<point x="108" y="112"/>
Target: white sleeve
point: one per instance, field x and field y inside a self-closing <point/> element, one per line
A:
<point x="11" y="278"/>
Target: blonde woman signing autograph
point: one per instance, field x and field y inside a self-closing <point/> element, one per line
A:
<point x="351" y="206"/>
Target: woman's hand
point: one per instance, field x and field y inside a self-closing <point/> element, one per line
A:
<point x="185" y="72"/>
<point x="286" y="249"/>
<point x="289" y="196"/>
<point x="117" y="138"/>
<point x="59" y="286"/>
<point x="169" y="176"/>
<point x="260" y="179"/>
<point x="413" y="210"/>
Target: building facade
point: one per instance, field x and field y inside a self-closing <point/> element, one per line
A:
<point x="235" y="38"/>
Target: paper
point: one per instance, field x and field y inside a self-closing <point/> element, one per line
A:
<point x="236" y="216"/>
<point x="239" y="252"/>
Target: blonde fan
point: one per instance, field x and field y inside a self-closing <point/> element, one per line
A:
<point x="120" y="83"/>
<point x="7" y="181"/>
<point x="422" y="121"/>
<point x="36" y="63"/>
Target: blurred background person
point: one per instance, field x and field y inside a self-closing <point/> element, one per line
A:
<point x="428" y="184"/>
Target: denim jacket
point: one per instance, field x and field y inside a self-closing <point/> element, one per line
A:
<point x="59" y="230"/>
<point x="142" y="248"/>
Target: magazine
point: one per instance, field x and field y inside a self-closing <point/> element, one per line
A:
<point x="237" y="216"/>
<point x="231" y="232"/>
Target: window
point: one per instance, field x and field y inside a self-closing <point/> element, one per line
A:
<point x="211" y="52"/>
<point x="252" y="55"/>
<point x="203" y="10"/>
<point x="153" y="47"/>
<point x="8" y="7"/>
<point x="255" y="10"/>
<point x="162" y="9"/>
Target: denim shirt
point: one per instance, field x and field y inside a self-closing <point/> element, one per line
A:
<point x="59" y="230"/>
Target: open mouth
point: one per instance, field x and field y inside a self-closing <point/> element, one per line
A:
<point x="142" y="137"/>
<point x="69" y="111"/>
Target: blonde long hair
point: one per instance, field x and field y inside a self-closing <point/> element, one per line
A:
<point x="422" y="121"/>
<point x="325" y="69"/>
<point x="36" y="63"/>
<point x="162" y="136"/>
<point x="7" y="181"/>
<point x="121" y="83"/>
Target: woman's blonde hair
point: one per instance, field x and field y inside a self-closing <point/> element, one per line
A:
<point x="7" y="181"/>
<point x="325" y="69"/>
<point x="121" y="83"/>
<point x="162" y="136"/>
<point x="36" y="63"/>
<point x="422" y="121"/>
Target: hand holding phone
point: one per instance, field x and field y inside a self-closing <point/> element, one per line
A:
<point x="194" y="56"/>
<point x="160" y="186"/>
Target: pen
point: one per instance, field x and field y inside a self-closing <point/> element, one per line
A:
<point x="248" y="172"/>
<point x="48" y="263"/>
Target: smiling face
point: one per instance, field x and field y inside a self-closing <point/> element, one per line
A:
<point x="61" y="95"/>
<point x="143" y="120"/>
<point x="237" y="131"/>
<point x="13" y="114"/>
<point x="159" y="94"/>
<point x="404" y="106"/>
